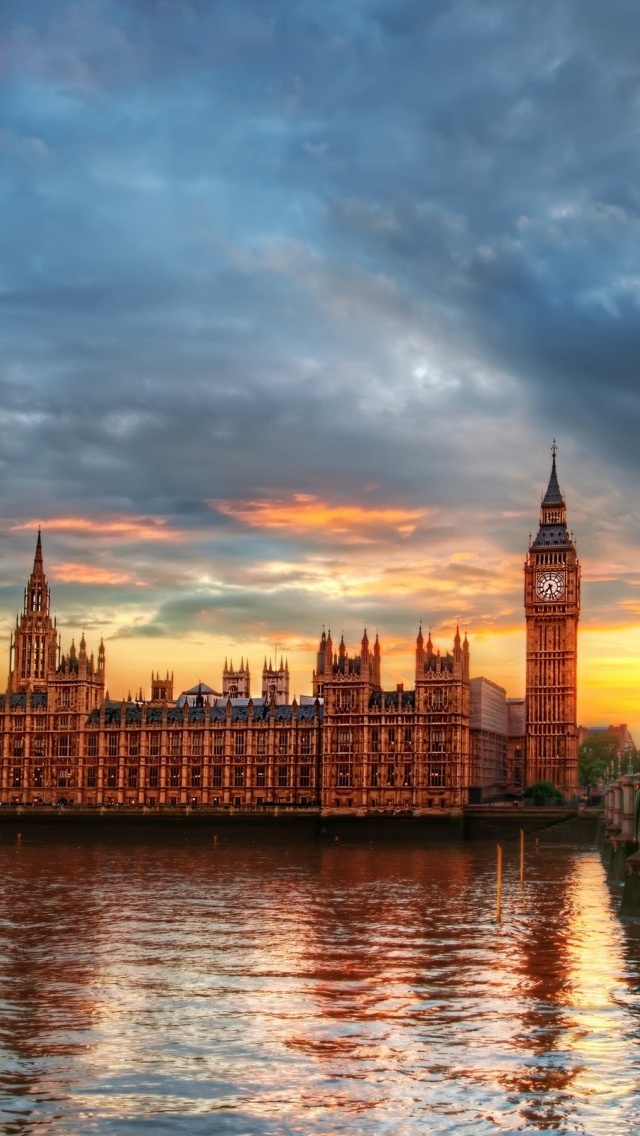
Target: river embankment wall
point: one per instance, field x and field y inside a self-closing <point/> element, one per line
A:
<point x="485" y="822"/>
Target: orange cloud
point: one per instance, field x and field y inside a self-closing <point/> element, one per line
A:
<point x="89" y="574"/>
<point x="136" y="528"/>
<point x="305" y="513"/>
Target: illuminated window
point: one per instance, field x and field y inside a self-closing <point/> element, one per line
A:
<point x="344" y="775"/>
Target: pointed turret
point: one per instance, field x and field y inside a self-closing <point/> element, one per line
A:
<point x="34" y="653"/>
<point x="38" y="562"/>
<point x="375" y="673"/>
<point x="419" y="653"/>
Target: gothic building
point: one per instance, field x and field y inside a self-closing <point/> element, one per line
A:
<point x="552" y="609"/>
<point x="397" y="748"/>
<point x="352" y="744"/>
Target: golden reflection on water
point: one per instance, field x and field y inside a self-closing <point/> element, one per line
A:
<point x="313" y="990"/>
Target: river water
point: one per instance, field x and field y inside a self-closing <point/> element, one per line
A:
<point x="153" y="989"/>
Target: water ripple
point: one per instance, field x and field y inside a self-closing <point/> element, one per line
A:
<point x="316" y="991"/>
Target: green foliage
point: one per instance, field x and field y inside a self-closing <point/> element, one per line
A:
<point x="544" y="791"/>
<point x="599" y="757"/>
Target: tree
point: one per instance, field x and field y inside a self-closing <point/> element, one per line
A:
<point x="599" y="756"/>
<point x="544" y="791"/>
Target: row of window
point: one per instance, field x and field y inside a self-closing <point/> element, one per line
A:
<point x="64" y="745"/>
<point x="390" y="775"/>
<point x="347" y="740"/>
<point x="133" y="777"/>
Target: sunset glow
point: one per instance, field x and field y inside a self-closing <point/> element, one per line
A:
<point x="304" y="513"/>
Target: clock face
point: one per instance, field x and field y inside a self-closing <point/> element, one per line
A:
<point x="550" y="586"/>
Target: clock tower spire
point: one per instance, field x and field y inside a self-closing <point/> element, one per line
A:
<point x="552" y="609"/>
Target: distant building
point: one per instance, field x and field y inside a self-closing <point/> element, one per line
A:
<point x="517" y="736"/>
<point x="236" y="683"/>
<point x="620" y="733"/>
<point x="489" y="734"/>
<point x="275" y="682"/>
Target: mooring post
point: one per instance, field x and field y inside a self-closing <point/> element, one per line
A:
<point x="499" y="884"/>
<point x="522" y="857"/>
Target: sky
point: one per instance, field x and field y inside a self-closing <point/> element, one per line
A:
<point x="294" y="298"/>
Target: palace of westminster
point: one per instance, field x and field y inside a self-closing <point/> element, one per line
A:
<point x="351" y="744"/>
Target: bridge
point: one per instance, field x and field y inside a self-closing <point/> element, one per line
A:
<point x="622" y="837"/>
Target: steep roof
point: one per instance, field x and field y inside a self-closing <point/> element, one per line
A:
<point x="553" y="496"/>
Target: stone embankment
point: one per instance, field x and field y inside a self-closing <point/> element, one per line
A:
<point x="283" y="826"/>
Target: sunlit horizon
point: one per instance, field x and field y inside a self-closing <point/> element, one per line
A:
<point x="277" y="608"/>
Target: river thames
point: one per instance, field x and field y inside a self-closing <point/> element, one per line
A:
<point x="314" y="990"/>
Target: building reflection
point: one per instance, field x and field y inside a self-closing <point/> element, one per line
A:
<point x="47" y="1007"/>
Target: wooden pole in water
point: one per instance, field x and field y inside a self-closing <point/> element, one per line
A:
<point x="499" y="884"/>
<point x="522" y="857"/>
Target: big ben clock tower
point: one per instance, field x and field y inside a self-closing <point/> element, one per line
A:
<point x="552" y="608"/>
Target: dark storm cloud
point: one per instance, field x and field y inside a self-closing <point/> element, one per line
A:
<point x="376" y="251"/>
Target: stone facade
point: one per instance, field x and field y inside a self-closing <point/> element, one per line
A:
<point x="350" y="745"/>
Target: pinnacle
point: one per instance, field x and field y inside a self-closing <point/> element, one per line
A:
<point x="553" y="496"/>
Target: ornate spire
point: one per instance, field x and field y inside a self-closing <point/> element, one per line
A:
<point x="38" y="564"/>
<point x="553" y="531"/>
<point x="553" y="496"/>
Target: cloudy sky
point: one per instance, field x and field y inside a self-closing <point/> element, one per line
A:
<point x="295" y="297"/>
